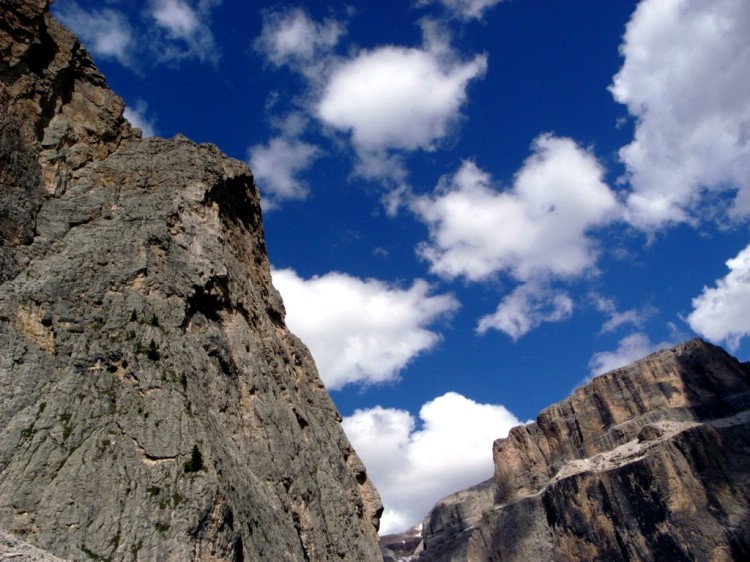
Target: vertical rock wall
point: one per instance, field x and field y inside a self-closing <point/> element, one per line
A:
<point x="153" y="404"/>
<point x="649" y="462"/>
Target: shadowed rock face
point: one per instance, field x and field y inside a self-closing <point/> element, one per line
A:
<point x="649" y="462"/>
<point x="153" y="404"/>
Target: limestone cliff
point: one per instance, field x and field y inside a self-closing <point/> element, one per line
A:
<point x="153" y="404"/>
<point x="648" y="462"/>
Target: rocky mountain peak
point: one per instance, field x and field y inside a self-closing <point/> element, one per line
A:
<point x="648" y="462"/>
<point x="153" y="403"/>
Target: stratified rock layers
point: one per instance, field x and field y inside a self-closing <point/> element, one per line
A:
<point x="649" y="462"/>
<point x="153" y="404"/>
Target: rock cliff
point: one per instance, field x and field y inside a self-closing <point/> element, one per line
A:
<point x="648" y="462"/>
<point x="153" y="404"/>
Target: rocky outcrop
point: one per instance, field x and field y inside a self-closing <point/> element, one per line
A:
<point x="153" y="404"/>
<point x="400" y="546"/>
<point x="648" y="462"/>
<point x="14" y="550"/>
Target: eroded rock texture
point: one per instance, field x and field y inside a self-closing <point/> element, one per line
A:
<point x="153" y="404"/>
<point x="649" y="462"/>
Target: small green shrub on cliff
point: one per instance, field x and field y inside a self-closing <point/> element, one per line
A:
<point x="196" y="461"/>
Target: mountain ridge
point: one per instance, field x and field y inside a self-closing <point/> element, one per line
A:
<point x="647" y="462"/>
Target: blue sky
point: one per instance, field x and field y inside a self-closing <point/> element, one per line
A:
<point x="471" y="206"/>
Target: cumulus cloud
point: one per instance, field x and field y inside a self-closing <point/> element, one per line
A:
<point x="361" y="331"/>
<point x="385" y="101"/>
<point x="138" y="117"/>
<point x="538" y="227"/>
<point x="106" y="32"/>
<point x="290" y="37"/>
<point x="685" y="80"/>
<point x="631" y="348"/>
<point x="526" y="308"/>
<point x="464" y="9"/>
<point x="397" y="98"/>
<point x="276" y="166"/>
<point x="185" y="30"/>
<point x="414" y="463"/>
<point x="722" y="313"/>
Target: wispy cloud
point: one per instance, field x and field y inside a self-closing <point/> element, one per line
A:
<point x="464" y="9"/>
<point x="107" y="33"/>
<point x="616" y="318"/>
<point x="167" y="31"/>
<point x="290" y="37"/>
<point x="184" y="31"/>
<point x="528" y="306"/>
<point x="630" y="348"/>
<point x="276" y="166"/>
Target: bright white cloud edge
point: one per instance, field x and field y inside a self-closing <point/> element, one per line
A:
<point x="537" y="228"/>
<point x="414" y="463"/>
<point x="538" y="231"/>
<point x="722" y="313"/>
<point x="396" y="97"/>
<point x="685" y="80"/>
<point x="361" y="331"/>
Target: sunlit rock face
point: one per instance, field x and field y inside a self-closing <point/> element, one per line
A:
<point x="153" y="404"/>
<point x="648" y="462"/>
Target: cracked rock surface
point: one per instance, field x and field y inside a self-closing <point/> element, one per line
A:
<point x="153" y="404"/>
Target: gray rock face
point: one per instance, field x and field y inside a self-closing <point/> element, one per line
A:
<point x="153" y="404"/>
<point x="649" y="462"/>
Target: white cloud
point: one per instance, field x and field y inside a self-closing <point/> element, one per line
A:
<point x="276" y="165"/>
<point x="616" y="318"/>
<point x="539" y="227"/>
<point x="397" y="98"/>
<point x="413" y="466"/>
<point x="465" y="9"/>
<point x="631" y="348"/>
<point x="526" y="308"/>
<point x="685" y="80"/>
<point x="290" y="37"/>
<point x="137" y="117"/>
<point x="185" y="29"/>
<point x="175" y="16"/>
<point x="169" y="31"/>
<point x="106" y="33"/>
<point x="385" y="101"/>
<point x="360" y="331"/>
<point x="722" y="313"/>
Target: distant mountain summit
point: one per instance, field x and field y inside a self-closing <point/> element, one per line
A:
<point x="153" y="403"/>
<point x="648" y="462"/>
